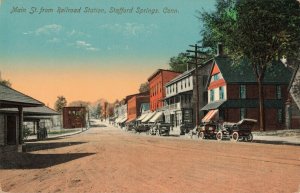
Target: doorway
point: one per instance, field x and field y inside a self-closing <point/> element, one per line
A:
<point x="11" y="128"/>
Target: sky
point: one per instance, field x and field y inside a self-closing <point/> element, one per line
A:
<point x="92" y="49"/>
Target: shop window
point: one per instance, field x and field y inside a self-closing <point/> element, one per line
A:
<point x="212" y="95"/>
<point x="278" y="92"/>
<point x="242" y="113"/>
<point x="280" y="115"/>
<point x="242" y="91"/>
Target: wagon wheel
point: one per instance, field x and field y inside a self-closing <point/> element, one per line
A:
<point x="219" y="136"/>
<point x="201" y="135"/>
<point x="250" y="137"/>
<point x="235" y="136"/>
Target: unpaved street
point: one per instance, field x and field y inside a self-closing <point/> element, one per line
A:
<point x="107" y="159"/>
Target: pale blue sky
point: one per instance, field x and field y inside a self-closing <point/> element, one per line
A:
<point x="91" y="56"/>
<point x="104" y="36"/>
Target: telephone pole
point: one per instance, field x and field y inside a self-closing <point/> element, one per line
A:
<point x="196" y="58"/>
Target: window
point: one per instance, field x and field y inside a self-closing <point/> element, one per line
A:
<point x="216" y="77"/>
<point x="242" y="91"/>
<point x="278" y="92"/>
<point x="279" y="115"/>
<point x="188" y="81"/>
<point x="212" y="95"/>
<point x="221" y="93"/>
<point x="242" y="113"/>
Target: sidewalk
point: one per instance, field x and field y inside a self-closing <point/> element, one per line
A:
<point x="289" y="137"/>
<point x="51" y="136"/>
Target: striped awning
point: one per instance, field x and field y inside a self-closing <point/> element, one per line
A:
<point x="148" y="117"/>
<point x="142" y="116"/>
<point x="157" y="116"/>
<point x="210" y="115"/>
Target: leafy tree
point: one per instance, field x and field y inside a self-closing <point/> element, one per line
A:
<point x="179" y="63"/>
<point x="5" y="82"/>
<point x="60" y="103"/>
<point x="261" y="31"/>
<point x="144" y="87"/>
<point x="79" y="103"/>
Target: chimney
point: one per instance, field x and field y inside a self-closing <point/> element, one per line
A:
<point x="220" y="51"/>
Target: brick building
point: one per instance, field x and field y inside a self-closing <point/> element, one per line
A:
<point x="74" y="117"/>
<point x="134" y="104"/>
<point x="233" y="93"/>
<point x="157" y="82"/>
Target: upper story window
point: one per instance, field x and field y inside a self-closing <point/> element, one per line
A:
<point x="188" y="82"/>
<point x="221" y="93"/>
<point x="181" y="83"/>
<point x="243" y="91"/>
<point x="216" y="77"/>
<point x="278" y="92"/>
<point x="212" y="95"/>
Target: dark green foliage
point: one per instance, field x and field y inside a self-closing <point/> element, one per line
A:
<point x="179" y="63"/>
<point x="60" y="103"/>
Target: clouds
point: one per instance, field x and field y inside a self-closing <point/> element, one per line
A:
<point x="57" y="34"/>
<point x="84" y="45"/>
<point x="130" y="29"/>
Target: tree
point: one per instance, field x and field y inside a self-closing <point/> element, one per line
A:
<point x="60" y="103"/>
<point x="260" y="31"/>
<point x="179" y="63"/>
<point x="79" y="103"/>
<point x="144" y="87"/>
<point x="5" y="82"/>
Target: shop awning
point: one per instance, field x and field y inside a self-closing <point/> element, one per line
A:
<point x="212" y="114"/>
<point x="142" y="116"/>
<point x="148" y="117"/>
<point x="157" y="116"/>
<point x="123" y="120"/>
<point x="130" y="120"/>
<point x="213" y="105"/>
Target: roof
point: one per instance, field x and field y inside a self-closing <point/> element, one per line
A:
<point x="242" y="103"/>
<point x="32" y="111"/>
<point x="160" y="70"/>
<point x="142" y="94"/>
<point x="277" y="73"/>
<point x="14" y="97"/>
<point x="180" y="77"/>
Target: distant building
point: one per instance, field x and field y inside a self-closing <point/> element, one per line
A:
<point x="157" y="82"/>
<point x="74" y="117"/>
<point x="134" y="104"/>
<point x="233" y="93"/>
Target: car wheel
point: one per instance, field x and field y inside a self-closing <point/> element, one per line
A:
<point x="235" y="136"/>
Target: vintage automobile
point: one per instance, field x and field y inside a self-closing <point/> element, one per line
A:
<point x="144" y="127"/>
<point x="208" y="130"/>
<point x="160" y="128"/>
<point x="237" y="131"/>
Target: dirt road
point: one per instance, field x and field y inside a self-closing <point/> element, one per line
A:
<point x="107" y="159"/>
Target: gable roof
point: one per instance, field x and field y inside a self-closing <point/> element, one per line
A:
<point x="12" y="96"/>
<point x="160" y="70"/>
<point x="33" y="111"/>
<point x="243" y="73"/>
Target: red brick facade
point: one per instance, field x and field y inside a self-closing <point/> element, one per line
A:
<point x="74" y="117"/>
<point x="134" y="105"/>
<point x="157" y="83"/>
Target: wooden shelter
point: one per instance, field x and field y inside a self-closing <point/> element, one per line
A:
<point x="11" y="125"/>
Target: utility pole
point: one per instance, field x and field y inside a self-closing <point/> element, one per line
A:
<point x="196" y="51"/>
